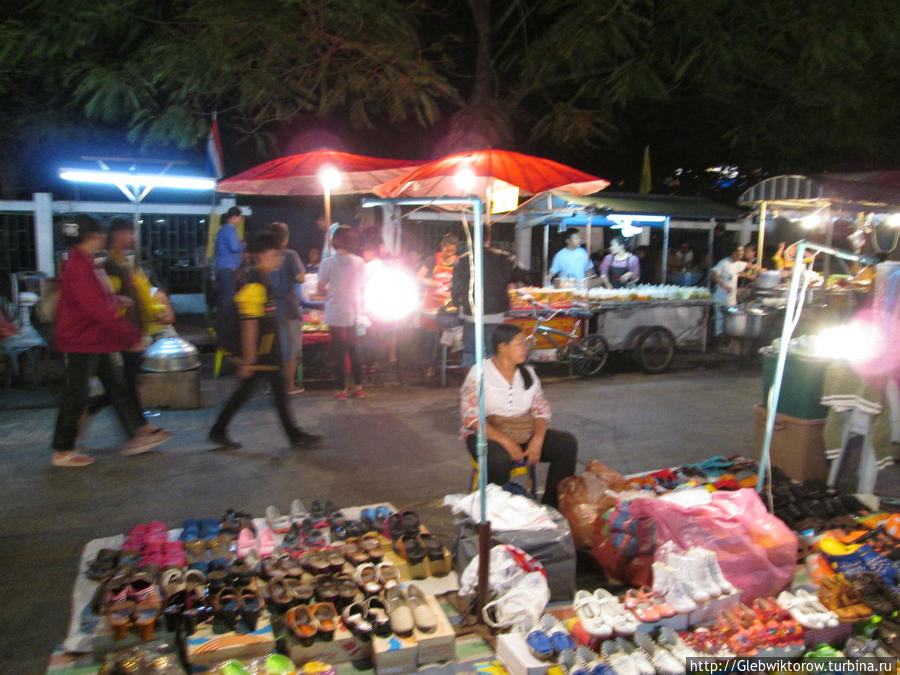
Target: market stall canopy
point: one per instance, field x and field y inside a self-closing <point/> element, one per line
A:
<point x="301" y="174"/>
<point x="484" y="171"/>
<point x="572" y="209"/>
<point x="873" y="190"/>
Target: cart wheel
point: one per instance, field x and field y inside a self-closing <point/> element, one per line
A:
<point x="589" y="355"/>
<point x="654" y="350"/>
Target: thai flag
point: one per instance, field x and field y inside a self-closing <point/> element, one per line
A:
<point x="214" y="149"/>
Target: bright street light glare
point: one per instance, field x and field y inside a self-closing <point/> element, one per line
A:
<point x="893" y="220"/>
<point x="138" y="179"/>
<point x="856" y="342"/>
<point x="810" y="222"/>
<point x="465" y="180"/>
<point x="329" y="177"/>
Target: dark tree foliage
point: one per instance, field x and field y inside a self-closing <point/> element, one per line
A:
<point x="797" y="85"/>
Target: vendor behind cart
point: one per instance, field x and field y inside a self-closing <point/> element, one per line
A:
<point x="571" y="262"/>
<point x="620" y="266"/>
<point x="725" y="276"/>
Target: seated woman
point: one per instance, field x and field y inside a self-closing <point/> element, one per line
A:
<point x="512" y="390"/>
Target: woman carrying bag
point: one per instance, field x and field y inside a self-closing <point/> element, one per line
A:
<point x="518" y="416"/>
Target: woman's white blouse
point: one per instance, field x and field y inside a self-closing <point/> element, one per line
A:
<point x="500" y="397"/>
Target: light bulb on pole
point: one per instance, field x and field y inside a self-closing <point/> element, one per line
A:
<point x="330" y="179"/>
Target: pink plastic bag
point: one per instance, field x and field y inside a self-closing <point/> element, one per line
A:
<point x="756" y="551"/>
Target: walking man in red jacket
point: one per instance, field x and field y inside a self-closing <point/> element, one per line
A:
<point x="89" y="328"/>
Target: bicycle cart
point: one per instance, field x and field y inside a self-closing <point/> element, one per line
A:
<point x="584" y="334"/>
<point x="652" y="330"/>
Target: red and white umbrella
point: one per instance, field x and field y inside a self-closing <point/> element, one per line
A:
<point x="304" y="174"/>
<point x="484" y="171"/>
<point x="322" y="172"/>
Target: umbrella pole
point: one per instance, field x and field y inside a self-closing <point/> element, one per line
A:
<point x="761" y="239"/>
<point x="326" y="196"/>
<point x="484" y="526"/>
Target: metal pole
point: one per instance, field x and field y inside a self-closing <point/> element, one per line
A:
<point x="712" y="263"/>
<point x="665" y="251"/>
<point x="484" y="525"/>
<point x="829" y="240"/>
<point x="762" y="234"/>
<point x="326" y="195"/>
<point x="775" y="392"/>
<point x="546" y="269"/>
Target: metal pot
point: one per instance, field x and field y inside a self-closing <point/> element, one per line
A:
<point x="744" y="322"/>
<point x="768" y="279"/>
<point x="169" y="355"/>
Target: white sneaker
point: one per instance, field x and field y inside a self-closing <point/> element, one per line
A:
<point x="590" y="611"/>
<point x="813" y="604"/>
<point x="639" y="658"/>
<point x="622" y="621"/>
<point x="298" y="511"/>
<point x="661" y="659"/>
<point x="667" y="584"/>
<point x="694" y="577"/>
<point x="715" y="572"/>
<point x="799" y="611"/>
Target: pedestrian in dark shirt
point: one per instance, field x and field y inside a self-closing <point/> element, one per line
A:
<point x="260" y="346"/>
<point x="499" y="271"/>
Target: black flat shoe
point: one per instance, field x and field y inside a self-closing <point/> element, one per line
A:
<point x="222" y="441"/>
<point x="304" y="440"/>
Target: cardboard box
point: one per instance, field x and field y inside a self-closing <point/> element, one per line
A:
<point x="343" y="648"/>
<point x="205" y="648"/>
<point x="798" y="445"/>
<point x="440" y="644"/>
<point x="395" y="655"/>
<point x="513" y="652"/>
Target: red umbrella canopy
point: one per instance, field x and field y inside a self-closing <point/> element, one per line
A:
<point x="473" y="172"/>
<point x="302" y="174"/>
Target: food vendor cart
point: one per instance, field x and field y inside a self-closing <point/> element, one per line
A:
<point x="650" y="322"/>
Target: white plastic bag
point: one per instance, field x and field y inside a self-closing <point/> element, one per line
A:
<point x="517" y="581"/>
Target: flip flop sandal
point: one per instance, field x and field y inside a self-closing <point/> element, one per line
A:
<point x="300" y="590"/>
<point x="411" y="523"/>
<point x="410" y="548"/>
<point x="393" y="526"/>
<point x="346" y="587"/>
<point x="433" y="547"/>
<point x="326" y="589"/>
<point x="371" y="544"/>
<point x="276" y="521"/>
<point x="71" y="459"/>
<point x="251" y="607"/>
<point x="280" y="594"/>
<point x="335" y="556"/>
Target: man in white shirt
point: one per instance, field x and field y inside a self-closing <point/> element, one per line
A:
<point x="725" y="275"/>
<point x="572" y="262"/>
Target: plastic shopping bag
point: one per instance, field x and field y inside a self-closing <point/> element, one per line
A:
<point x="756" y="551"/>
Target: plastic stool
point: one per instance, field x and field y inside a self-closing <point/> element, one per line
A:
<point x="520" y="469"/>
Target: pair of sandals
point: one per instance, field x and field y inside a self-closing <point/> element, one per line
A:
<point x="233" y="605"/>
<point x="308" y="621"/>
<point x="280" y="523"/>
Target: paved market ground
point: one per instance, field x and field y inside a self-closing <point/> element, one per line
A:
<point x="398" y="445"/>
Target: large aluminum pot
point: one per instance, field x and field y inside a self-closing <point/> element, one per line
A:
<point x="744" y="322"/>
<point x="171" y="354"/>
<point x="768" y="279"/>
